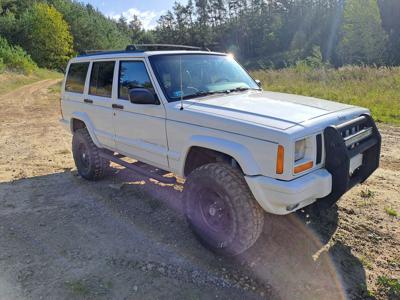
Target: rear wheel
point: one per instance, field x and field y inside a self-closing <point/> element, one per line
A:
<point x="221" y="209"/>
<point x="87" y="156"/>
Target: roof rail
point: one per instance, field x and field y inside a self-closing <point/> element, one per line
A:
<point x="100" y="52"/>
<point x="142" y="48"/>
<point x="163" y="47"/>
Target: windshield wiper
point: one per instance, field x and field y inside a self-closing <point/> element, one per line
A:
<point x="207" y="93"/>
<point x="201" y="94"/>
<point x="240" y="89"/>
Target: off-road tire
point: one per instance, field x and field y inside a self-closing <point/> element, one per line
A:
<point x="245" y="216"/>
<point x="90" y="165"/>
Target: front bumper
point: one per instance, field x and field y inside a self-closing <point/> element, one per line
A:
<point x="342" y="143"/>
<point x="282" y="197"/>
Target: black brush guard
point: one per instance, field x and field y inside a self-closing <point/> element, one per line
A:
<point x="340" y="148"/>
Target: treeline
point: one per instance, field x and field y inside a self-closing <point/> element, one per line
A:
<point x="53" y="31"/>
<point x="278" y="33"/>
<point x="261" y="33"/>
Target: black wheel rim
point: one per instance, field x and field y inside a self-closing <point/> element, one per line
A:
<point x="215" y="214"/>
<point x="83" y="157"/>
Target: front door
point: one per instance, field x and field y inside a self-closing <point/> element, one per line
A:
<point x="139" y="128"/>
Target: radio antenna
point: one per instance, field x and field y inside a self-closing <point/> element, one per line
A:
<point x="180" y="72"/>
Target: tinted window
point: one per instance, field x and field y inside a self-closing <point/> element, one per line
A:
<point x="101" y="78"/>
<point x="132" y="74"/>
<point x="76" y="77"/>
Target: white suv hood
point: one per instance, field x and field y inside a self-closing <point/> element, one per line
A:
<point x="270" y="109"/>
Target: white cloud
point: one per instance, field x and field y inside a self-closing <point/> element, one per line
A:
<point x="148" y="18"/>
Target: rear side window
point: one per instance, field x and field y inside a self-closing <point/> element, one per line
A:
<point x="76" y="77"/>
<point x="101" y="78"/>
<point x="132" y="74"/>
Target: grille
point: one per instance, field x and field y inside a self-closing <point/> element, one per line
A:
<point x="354" y="132"/>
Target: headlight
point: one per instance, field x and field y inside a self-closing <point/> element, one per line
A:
<point x="300" y="150"/>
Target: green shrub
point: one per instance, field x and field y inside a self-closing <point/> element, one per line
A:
<point x="2" y="65"/>
<point x="391" y="284"/>
<point x="14" y="58"/>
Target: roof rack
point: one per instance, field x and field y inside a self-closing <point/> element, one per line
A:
<point x="101" y="52"/>
<point x="142" y="48"/>
<point x="163" y="47"/>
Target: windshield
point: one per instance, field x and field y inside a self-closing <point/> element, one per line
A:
<point x="192" y="75"/>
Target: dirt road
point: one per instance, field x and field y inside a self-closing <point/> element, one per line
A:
<point x="124" y="237"/>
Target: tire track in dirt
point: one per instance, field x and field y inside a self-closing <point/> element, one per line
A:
<point x="20" y="101"/>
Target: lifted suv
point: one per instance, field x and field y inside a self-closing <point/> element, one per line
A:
<point x="200" y="115"/>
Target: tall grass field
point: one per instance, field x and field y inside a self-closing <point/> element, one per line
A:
<point x="375" y="88"/>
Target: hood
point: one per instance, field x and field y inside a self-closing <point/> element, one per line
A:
<point x="270" y="109"/>
<point x="262" y="115"/>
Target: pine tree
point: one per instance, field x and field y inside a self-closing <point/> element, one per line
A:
<point x="390" y="12"/>
<point x="363" y="40"/>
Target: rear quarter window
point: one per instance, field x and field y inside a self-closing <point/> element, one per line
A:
<point x="76" y="77"/>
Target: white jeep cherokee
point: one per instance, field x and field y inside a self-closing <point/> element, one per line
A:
<point x="200" y="115"/>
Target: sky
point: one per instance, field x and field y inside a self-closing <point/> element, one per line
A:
<point x="148" y="11"/>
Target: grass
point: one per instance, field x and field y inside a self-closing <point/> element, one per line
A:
<point x="367" y="194"/>
<point x="392" y="285"/>
<point x="366" y="261"/>
<point x="55" y="88"/>
<point x="375" y="88"/>
<point x="79" y="287"/>
<point x="89" y="287"/>
<point x="391" y="212"/>
<point x="10" y="81"/>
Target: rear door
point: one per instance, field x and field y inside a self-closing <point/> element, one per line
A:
<point x="98" y="100"/>
<point x="139" y="128"/>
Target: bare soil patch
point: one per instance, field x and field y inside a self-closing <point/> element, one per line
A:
<point x="125" y="237"/>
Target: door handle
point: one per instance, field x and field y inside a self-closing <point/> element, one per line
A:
<point x="117" y="106"/>
<point x="88" y="101"/>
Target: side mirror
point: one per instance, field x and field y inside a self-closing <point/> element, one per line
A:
<point x="258" y="82"/>
<point x="142" y="96"/>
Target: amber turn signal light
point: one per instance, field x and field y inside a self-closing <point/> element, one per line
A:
<point x="303" y="167"/>
<point x="279" y="159"/>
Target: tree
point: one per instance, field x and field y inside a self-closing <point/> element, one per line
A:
<point x="166" y="28"/>
<point x="138" y="34"/>
<point x="90" y="28"/>
<point x="45" y="36"/>
<point x="7" y="6"/>
<point x="15" y="6"/>
<point x="261" y="33"/>
<point x="390" y="11"/>
<point x="362" y="41"/>
<point x="122" y="25"/>
<point x="203" y="30"/>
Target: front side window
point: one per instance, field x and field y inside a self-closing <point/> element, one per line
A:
<point x="76" y="77"/>
<point x="101" y="79"/>
<point x="191" y="75"/>
<point x="132" y="74"/>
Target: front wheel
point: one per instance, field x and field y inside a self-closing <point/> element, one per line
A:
<point x="221" y="209"/>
